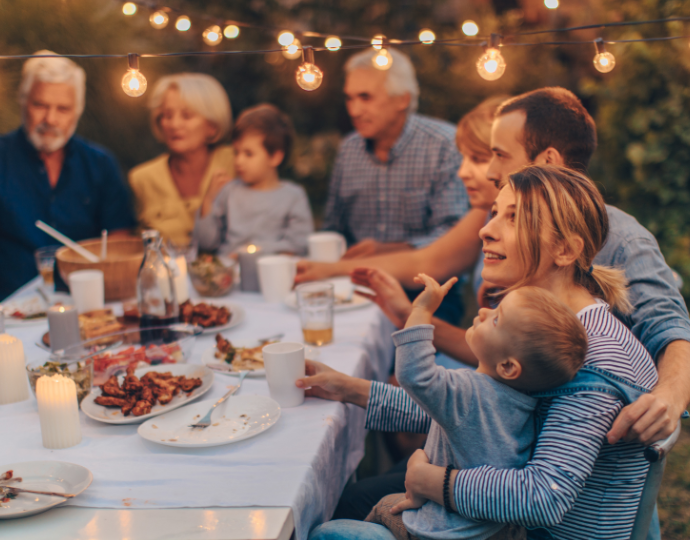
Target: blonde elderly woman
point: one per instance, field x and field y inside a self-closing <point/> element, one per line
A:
<point x="190" y="114"/>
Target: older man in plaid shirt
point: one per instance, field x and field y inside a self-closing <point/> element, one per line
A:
<point x="394" y="186"/>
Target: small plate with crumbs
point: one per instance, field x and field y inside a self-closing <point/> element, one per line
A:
<point x="238" y="418"/>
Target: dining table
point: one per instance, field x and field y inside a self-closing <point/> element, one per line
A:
<point x="276" y="485"/>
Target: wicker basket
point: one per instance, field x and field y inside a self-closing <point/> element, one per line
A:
<point x="120" y="268"/>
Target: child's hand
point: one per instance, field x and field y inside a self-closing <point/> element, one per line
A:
<point x="426" y="304"/>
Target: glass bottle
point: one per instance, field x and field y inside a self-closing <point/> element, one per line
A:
<point x="155" y="286"/>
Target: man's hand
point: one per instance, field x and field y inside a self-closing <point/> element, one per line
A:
<point x="313" y="271"/>
<point x="390" y="296"/>
<point x="326" y="383"/>
<point x="650" y="418"/>
<point x="365" y="248"/>
<point x="218" y="180"/>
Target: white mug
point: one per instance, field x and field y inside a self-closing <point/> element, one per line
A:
<point x="284" y="364"/>
<point x="326" y="246"/>
<point x="276" y="276"/>
<point x="87" y="289"/>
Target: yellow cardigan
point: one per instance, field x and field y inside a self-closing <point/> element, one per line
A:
<point x="159" y="203"/>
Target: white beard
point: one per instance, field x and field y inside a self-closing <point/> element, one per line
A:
<point x="49" y="139"/>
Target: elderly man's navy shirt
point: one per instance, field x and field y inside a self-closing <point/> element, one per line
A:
<point x="90" y="196"/>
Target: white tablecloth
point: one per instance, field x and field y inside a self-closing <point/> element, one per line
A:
<point x="303" y="461"/>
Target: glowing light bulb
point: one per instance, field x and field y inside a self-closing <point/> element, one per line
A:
<point x="183" y="23"/>
<point x="212" y="35"/>
<point x="491" y="65"/>
<point x="159" y="19"/>
<point x="383" y="60"/>
<point x="293" y="51"/>
<point x="133" y="82"/>
<point x="427" y="37"/>
<point x="308" y="76"/>
<point x="603" y="61"/>
<point x="129" y="8"/>
<point x="231" y="31"/>
<point x="333" y="43"/>
<point x="285" y="38"/>
<point x="551" y="4"/>
<point x="470" y="28"/>
<point x="377" y="41"/>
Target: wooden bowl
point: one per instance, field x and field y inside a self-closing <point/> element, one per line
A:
<point x="120" y="268"/>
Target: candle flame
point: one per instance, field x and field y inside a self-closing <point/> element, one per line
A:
<point x="61" y="309"/>
<point x="251" y="248"/>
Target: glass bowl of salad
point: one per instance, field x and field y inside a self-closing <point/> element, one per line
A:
<point x="212" y="276"/>
<point x="80" y="371"/>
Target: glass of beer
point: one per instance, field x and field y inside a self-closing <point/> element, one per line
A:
<point x="315" y="303"/>
<point x="45" y="262"/>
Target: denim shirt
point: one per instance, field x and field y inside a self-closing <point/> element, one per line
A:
<point x="660" y="315"/>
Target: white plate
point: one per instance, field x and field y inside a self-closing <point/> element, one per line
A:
<point x="239" y="418"/>
<point x="113" y="415"/>
<point x="208" y="357"/>
<point x="32" y="304"/>
<point x="237" y="315"/>
<point x="342" y="288"/>
<point x="53" y="476"/>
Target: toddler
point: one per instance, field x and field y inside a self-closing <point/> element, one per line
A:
<point x="258" y="208"/>
<point x="531" y="342"/>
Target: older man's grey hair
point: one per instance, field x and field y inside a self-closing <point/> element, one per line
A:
<point x="54" y="70"/>
<point x="400" y="78"/>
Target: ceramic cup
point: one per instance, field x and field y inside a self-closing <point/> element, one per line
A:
<point x="326" y="246"/>
<point x="284" y="364"/>
<point x="86" y="289"/>
<point x="276" y="276"/>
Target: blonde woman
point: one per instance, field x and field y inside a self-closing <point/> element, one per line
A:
<point x="190" y="114"/>
<point x="547" y="225"/>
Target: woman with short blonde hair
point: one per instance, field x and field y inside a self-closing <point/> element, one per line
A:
<point x="191" y="115"/>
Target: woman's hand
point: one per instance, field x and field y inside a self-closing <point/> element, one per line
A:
<point x="326" y="383"/>
<point x="390" y="296"/>
<point x="413" y="496"/>
<point x="218" y="180"/>
<point x="429" y="300"/>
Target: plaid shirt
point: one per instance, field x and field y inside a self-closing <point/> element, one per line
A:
<point x="414" y="197"/>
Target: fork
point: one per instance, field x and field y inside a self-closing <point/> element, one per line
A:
<point x="206" y="420"/>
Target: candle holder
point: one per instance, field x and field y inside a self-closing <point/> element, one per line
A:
<point x="58" y="411"/>
<point x="13" y="383"/>
<point x="249" y="276"/>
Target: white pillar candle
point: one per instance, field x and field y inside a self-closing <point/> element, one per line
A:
<point x="13" y="378"/>
<point x="58" y="411"/>
<point x="180" y="280"/>
<point x="63" y="325"/>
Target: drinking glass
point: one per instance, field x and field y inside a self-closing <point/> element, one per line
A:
<point x="315" y="303"/>
<point x="45" y="262"/>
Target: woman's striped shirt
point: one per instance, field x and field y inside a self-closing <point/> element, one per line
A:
<point x="576" y="485"/>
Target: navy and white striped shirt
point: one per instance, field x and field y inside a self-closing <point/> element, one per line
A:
<point x="415" y="197"/>
<point x="576" y="485"/>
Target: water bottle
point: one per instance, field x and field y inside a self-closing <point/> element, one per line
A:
<point x="155" y="288"/>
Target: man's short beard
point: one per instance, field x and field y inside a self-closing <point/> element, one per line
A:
<point x="49" y="144"/>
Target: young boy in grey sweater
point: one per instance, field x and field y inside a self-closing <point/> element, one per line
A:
<point x="258" y="208"/>
<point x="531" y="342"/>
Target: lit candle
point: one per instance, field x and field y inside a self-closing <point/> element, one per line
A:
<point x="180" y="280"/>
<point x="63" y="325"/>
<point x="13" y="380"/>
<point x="58" y="411"/>
<point x="249" y="276"/>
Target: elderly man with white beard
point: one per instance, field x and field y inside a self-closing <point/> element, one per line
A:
<point x="48" y="173"/>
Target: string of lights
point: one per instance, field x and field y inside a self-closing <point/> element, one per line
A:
<point x="491" y="65"/>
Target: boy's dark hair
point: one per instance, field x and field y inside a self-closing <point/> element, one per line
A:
<point x="269" y="121"/>
<point x="555" y="118"/>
